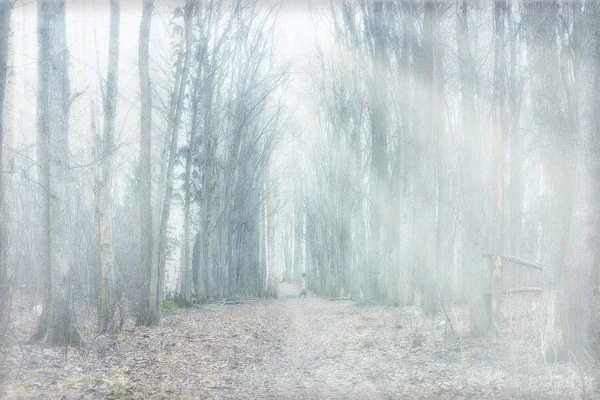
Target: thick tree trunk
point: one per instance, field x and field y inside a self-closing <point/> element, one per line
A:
<point x="206" y="170"/>
<point x="189" y="268"/>
<point x="174" y="136"/>
<point x="578" y="318"/>
<point x="557" y="155"/>
<point x="110" y="318"/>
<point x="57" y="323"/>
<point x="149" y="311"/>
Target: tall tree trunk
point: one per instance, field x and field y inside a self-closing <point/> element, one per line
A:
<point x="474" y="266"/>
<point x="149" y="311"/>
<point x="5" y="11"/>
<point x="174" y="136"/>
<point x="159" y="207"/>
<point x="411" y="132"/>
<point x="202" y="91"/>
<point x="207" y="171"/>
<point x="498" y="124"/>
<point x="430" y="59"/>
<point x="443" y="172"/>
<point x="578" y="318"/>
<point x="378" y="102"/>
<point x="57" y="323"/>
<point x="110" y="318"/>
<point x="192" y="148"/>
<point x="541" y="20"/>
<point x="516" y="143"/>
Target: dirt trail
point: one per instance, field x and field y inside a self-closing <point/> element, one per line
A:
<point x="294" y="347"/>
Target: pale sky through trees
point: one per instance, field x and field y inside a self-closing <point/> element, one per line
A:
<point x="87" y="35"/>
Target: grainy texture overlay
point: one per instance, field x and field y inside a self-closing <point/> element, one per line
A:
<point x="294" y="347"/>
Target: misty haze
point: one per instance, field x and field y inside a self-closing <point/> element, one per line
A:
<point x="300" y="199"/>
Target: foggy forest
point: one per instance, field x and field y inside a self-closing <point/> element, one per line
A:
<point x="299" y="199"/>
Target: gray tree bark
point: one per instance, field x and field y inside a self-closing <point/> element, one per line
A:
<point x="174" y="135"/>
<point x="378" y="103"/>
<point x="110" y="318"/>
<point x="431" y="62"/>
<point x="577" y="317"/>
<point x="499" y="117"/>
<point x="149" y="311"/>
<point x="192" y="148"/>
<point x="474" y="266"/>
<point x="57" y="323"/>
<point x="541" y="20"/>
<point x="516" y="141"/>
<point x="5" y="12"/>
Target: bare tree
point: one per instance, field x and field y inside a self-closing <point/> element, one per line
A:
<point x="173" y="136"/>
<point x="5" y="12"/>
<point x="479" y="315"/>
<point x="57" y="323"/>
<point x="573" y="319"/>
<point x="582" y="320"/>
<point x="431" y="126"/>
<point x="149" y="311"/>
<point x="516" y="135"/>
<point x="377" y="32"/>
<point x="110" y="317"/>
<point x="201" y="104"/>
<point x="557" y="154"/>
<point x="499" y="121"/>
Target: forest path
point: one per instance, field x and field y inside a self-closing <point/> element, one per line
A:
<point x="293" y="347"/>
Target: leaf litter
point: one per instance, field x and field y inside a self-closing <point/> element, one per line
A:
<point x="296" y="347"/>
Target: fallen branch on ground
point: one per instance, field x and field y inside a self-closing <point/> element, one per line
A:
<point x="525" y="289"/>
<point x="232" y="301"/>
<point x="515" y="260"/>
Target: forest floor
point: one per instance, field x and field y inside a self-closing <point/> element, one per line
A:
<point x="295" y="347"/>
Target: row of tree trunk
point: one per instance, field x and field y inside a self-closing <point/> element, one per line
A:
<point x="215" y="170"/>
<point x="438" y="192"/>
